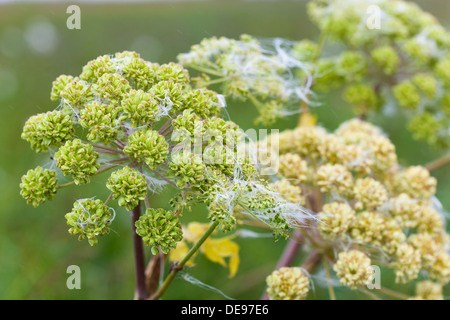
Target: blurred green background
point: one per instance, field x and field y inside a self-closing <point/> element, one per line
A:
<point x="36" y="47"/>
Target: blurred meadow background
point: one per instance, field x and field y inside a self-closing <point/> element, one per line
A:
<point x="36" y="47"/>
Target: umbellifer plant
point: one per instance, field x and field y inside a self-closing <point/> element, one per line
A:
<point x="343" y="197"/>
<point x="370" y="210"/>
<point x="144" y="121"/>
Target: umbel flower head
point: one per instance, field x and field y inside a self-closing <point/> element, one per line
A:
<point x="404" y="63"/>
<point x="89" y="218"/>
<point x="47" y="130"/>
<point x="249" y="69"/>
<point x="78" y="159"/>
<point x="147" y="122"/>
<point x="159" y="229"/>
<point x="147" y="146"/>
<point x="367" y="205"/>
<point x="353" y="268"/>
<point x="129" y="185"/>
<point x="38" y="186"/>
<point x="101" y="120"/>
<point x="287" y="283"/>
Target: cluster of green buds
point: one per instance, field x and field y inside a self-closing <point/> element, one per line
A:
<point x="392" y="53"/>
<point x="250" y="70"/>
<point x="146" y="121"/>
<point x="368" y="207"/>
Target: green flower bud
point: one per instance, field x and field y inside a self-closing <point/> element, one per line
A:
<point x="188" y="128"/>
<point x="97" y="68"/>
<point x="140" y="107"/>
<point x="326" y="77"/>
<point x="173" y="72"/>
<point x="38" y="185"/>
<point x="387" y="58"/>
<point x="220" y="213"/>
<point x="406" y="94"/>
<point x="89" y="218"/>
<point x="425" y="127"/>
<point x="269" y="205"/>
<point x="78" y="159"/>
<point x="214" y="179"/>
<point x="159" y="229"/>
<point x="148" y="146"/>
<point x="112" y="87"/>
<point x="228" y="131"/>
<point x="417" y="51"/>
<point x="47" y="130"/>
<point x="271" y="111"/>
<point x="427" y="83"/>
<point x="169" y="94"/>
<point x="305" y="50"/>
<point x="362" y="96"/>
<point x="101" y="120"/>
<point x="58" y="85"/>
<point x="439" y="34"/>
<point x="129" y="186"/>
<point x="203" y="102"/>
<point x="139" y="73"/>
<point x="76" y="93"/>
<point x="442" y="71"/>
<point x="188" y="167"/>
<point x="127" y="55"/>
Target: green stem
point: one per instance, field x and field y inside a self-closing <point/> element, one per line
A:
<point x="259" y="219"/>
<point x="370" y="294"/>
<point x="107" y="151"/>
<point x="218" y="80"/>
<point x="393" y="294"/>
<point x="163" y="177"/>
<point x="179" y="266"/>
<point x="109" y="198"/>
<point x="438" y="163"/>
<point x="330" y="284"/>
<point x="206" y="70"/>
<point x="320" y="45"/>
<point x="105" y="148"/>
<point x="116" y="160"/>
<point x="147" y="201"/>
<point x="98" y="172"/>
<point x="106" y="168"/>
<point x="66" y="184"/>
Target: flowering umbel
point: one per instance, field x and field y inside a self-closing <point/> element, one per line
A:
<point x="368" y="207"/>
<point x="404" y="63"/>
<point x="147" y="122"/>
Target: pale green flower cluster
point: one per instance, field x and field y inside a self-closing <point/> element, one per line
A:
<point x="248" y="69"/>
<point x="391" y="52"/>
<point x="146" y="121"/>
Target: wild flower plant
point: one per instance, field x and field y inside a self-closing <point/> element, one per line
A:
<point x="146" y="122"/>
<point x="396" y="64"/>
<point x="343" y="194"/>
<point x="370" y="210"/>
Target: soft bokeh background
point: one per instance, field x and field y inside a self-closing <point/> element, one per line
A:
<point x="36" y="47"/>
